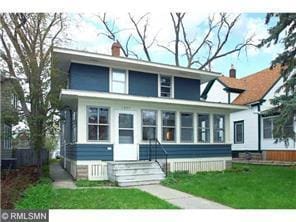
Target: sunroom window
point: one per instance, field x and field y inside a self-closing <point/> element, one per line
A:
<point x="203" y="128"/>
<point x="149" y="129"/>
<point x="168" y="126"/>
<point x="219" y="128"/>
<point x="119" y="81"/>
<point x="186" y="127"/>
<point x="98" y="123"/>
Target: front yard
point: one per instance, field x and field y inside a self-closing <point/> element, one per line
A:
<point x="244" y="186"/>
<point x="44" y="196"/>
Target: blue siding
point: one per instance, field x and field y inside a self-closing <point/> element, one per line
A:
<point x="189" y="150"/>
<point x="90" y="152"/>
<point x="89" y="77"/>
<point x="143" y="84"/>
<point x="188" y="89"/>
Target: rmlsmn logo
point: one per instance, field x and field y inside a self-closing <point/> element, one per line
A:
<point x="24" y="215"/>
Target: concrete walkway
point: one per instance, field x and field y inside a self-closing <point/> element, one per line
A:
<point x="180" y="199"/>
<point x="61" y="177"/>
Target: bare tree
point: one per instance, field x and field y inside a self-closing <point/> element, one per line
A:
<point x="27" y="41"/>
<point x="213" y="43"/>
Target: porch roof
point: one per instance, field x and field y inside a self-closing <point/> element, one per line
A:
<point x="68" y="95"/>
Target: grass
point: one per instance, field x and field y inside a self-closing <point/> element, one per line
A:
<point x="244" y="186"/>
<point x="43" y="196"/>
<point x="88" y="183"/>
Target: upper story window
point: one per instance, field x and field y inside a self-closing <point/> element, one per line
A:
<point x="119" y="81"/>
<point x="98" y="123"/>
<point x="166" y="86"/>
<point x="149" y="124"/>
<point x="14" y="101"/>
<point x="168" y="126"/>
<point x="267" y="128"/>
<point x="239" y="132"/>
<point x="186" y="127"/>
<point x="219" y="128"/>
<point x="203" y="124"/>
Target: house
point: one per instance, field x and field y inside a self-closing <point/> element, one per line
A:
<point x="117" y="107"/>
<point x="252" y="129"/>
<point x="9" y="117"/>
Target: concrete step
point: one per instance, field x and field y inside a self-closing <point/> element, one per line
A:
<point x="137" y="171"/>
<point x="140" y="177"/>
<point x="137" y="183"/>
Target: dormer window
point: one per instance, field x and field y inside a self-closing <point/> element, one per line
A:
<point x="119" y="81"/>
<point x="166" y="86"/>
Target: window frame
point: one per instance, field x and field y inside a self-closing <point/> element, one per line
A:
<point x="126" y="90"/>
<point x="172" y="87"/>
<point x="7" y="137"/>
<point x="98" y="124"/>
<point x="73" y="123"/>
<point x="235" y="123"/>
<point x="214" y="129"/>
<point x="271" y="127"/>
<point x="186" y="127"/>
<point x="203" y="128"/>
<point x="148" y="126"/>
<point x="175" y="127"/>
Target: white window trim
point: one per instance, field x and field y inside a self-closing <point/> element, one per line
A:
<point x="186" y="127"/>
<point x="175" y="127"/>
<point x="99" y="124"/>
<point x="172" y="86"/>
<point x="235" y="131"/>
<point x="111" y="80"/>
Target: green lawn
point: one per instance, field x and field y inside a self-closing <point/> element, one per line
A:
<point x="244" y="186"/>
<point x="43" y="196"/>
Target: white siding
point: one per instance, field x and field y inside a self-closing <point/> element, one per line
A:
<point x="250" y="118"/>
<point x="217" y="93"/>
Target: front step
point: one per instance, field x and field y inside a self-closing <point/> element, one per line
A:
<point x="132" y="173"/>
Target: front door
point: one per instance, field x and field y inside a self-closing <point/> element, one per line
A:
<point x="125" y="147"/>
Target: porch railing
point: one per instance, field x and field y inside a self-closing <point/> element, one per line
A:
<point x="156" y="151"/>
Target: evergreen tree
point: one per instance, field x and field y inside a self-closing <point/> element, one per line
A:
<point x="285" y="104"/>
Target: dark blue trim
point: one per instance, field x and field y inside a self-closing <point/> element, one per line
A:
<point x="142" y="84"/>
<point x="189" y="150"/>
<point x="89" y="152"/>
<point x="188" y="89"/>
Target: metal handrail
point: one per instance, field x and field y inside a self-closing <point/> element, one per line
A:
<point x="156" y="145"/>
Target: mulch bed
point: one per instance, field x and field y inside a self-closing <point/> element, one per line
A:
<point x="14" y="182"/>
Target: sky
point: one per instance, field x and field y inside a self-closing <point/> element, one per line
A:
<point x="86" y="33"/>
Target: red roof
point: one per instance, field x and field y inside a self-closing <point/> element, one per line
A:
<point x="255" y="86"/>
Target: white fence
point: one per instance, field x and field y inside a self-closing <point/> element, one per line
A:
<point x="97" y="171"/>
<point x="197" y="166"/>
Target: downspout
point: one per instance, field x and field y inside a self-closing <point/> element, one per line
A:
<point x="259" y="127"/>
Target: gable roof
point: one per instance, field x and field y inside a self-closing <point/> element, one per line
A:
<point x="253" y="87"/>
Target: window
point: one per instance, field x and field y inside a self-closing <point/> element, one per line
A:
<point x="219" y="128"/>
<point x="14" y="101"/>
<point x="7" y="137"/>
<point x="168" y="126"/>
<point x="126" y="128"/>
<point x="267" y="128"/>
<point x="203" y="128"/>
<point x="98" y="123"/>
<point x="119" y="81"/>
<point x="239" y="132"/>
<point x="165" y="86"/>
<point x="74" y="126"/>
<point x="186" y="127"/>
<point x="149" y="129"/>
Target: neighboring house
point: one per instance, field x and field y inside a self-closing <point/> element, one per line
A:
<point x="9" y="117"/>
<point x="115" y="105"/>
<point x="251" y="129"/>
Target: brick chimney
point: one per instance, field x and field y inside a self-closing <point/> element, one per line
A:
<point x="115" y="49"/>
<point x="232" y="72"/>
